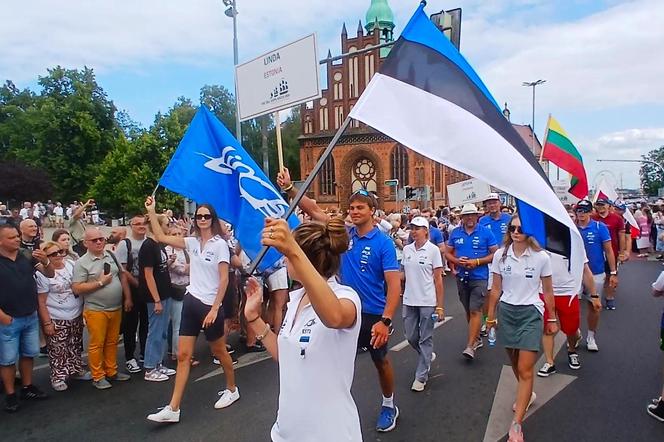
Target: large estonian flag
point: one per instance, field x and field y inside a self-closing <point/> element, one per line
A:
<point x="427" y="97"/>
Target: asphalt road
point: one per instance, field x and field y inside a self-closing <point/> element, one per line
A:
<point x="605" y="400"/>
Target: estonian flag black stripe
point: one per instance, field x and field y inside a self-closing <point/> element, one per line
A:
<point x="429" y="70"/>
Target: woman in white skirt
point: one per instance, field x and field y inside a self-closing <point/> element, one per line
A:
<point x="518" y="269"/>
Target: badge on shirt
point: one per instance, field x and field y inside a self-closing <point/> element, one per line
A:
<point x="530" y="272"/>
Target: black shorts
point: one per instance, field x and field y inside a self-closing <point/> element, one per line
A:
<point x="193" y="314"/>
<point x="230" y="298"/>
<point x="364" y="339"/>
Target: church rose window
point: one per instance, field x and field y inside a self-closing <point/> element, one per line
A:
<point x="364" y="175"/>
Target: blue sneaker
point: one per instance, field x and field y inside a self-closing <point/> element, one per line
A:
<point x="610" y="304"/>
<point x="387" y="419"/>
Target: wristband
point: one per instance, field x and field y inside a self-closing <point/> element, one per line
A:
<point x="594" y="296"/>
<point x="440" y="308"/>
<point x="288" y="188"/>
<point x="478" y="262"/>
<point x="254" y="320"/>
<point x="552" y="320"/>
<point x="491" y="321"/>
<point x="264" y="334"/>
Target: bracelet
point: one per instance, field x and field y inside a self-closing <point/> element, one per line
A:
<point x="491" y="321"/>
<point x="440" y="308"/>
<point x="264" y="334"/>
<point x="288" y="188"/>
<point x="478" y="262"/>
<point x="254" y="320"/>
<point x="101" y="284"/>
<point x="552" y="320"/>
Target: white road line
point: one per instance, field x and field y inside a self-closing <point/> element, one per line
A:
<point x="403" y="344"/>
<point x="243" y="361"/>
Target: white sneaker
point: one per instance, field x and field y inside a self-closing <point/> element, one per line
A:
<point x="591" y="344"/>
<point x="155" y="375"/>
<point x="166" y="414"/>
<point x="433" y="356"/>
<point x="227" y="398"/>
<point x="215" y="361"/>
<point x="132" y="366"/>
<point x="418" y="386"/>
<point x="165" y="370"/>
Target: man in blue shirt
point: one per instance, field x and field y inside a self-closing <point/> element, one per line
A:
<point x="369" y="267"/>
<point x="597" y="241"/>
<point x="495" y="220"/>
<point x="471" y="248"/>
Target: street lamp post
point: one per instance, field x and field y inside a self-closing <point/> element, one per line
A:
<point x="231" y="11"/>
<point x="533" y="84"/>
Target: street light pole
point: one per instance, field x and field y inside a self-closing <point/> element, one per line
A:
<point x="534" y="84"/>
<point x="231" y="11"/>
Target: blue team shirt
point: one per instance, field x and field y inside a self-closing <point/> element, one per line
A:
<point x="594" y="235"/>
<point x="473" y="246"/>
<point x="363" y="267"/>
<point x="497" y="226"/>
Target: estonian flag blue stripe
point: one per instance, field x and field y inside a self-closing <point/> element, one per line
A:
<point x="551" y="234"/>
<point x="425" y="68"/>
<point x="421" y="30"/>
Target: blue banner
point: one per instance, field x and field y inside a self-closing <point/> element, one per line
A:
<point x="210" y="166"/>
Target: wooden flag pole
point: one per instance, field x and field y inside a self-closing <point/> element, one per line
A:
<point x="280" y="150"/>
<point x="305" y="187"/>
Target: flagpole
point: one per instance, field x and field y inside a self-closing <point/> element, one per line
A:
<point x="280" y="150"/>
<point x="154" y="192"/>
<point x="546" y="134"/>
<point x="305" y="187"/>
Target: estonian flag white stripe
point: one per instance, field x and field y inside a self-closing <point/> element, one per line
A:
<point x="447" y="133"/>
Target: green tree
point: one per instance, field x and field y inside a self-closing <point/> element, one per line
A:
<point x="651" y="175"/>
<point x="66" y="130"/>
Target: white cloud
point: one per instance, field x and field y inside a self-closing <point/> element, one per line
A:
<point x="627" y="144"/>
<point x="605" y="60"/>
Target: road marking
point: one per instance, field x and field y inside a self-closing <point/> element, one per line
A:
<point x="243" y="361"/>
<point x="546" y="389"/>
<point x="403" y="344"/>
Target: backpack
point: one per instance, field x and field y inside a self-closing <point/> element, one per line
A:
<point x="130" y="257"/>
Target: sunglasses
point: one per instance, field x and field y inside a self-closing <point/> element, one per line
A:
<point x="205" y="216"/>
<point x="96" y="240"/>
<point x="57" y="253"/>
<point x="144" y="223"/>
<point x="515" y="229"/>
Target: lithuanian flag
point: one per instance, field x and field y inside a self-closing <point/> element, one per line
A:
<point x="560" y="150"/>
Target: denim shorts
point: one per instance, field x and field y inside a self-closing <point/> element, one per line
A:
<point x="19" y="339"/>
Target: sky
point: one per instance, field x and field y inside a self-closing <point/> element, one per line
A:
<point x="602" y="59"/>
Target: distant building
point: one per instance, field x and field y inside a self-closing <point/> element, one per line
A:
<point x="364" y="157"/>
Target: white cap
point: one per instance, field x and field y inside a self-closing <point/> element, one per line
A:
<point x="469" y="209"/>
<point x="491" y="196"/>
<point x="420" y="221"/>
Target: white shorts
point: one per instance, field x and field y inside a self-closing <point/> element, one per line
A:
<point x="599" y="287"/>
<point x="278" y="280"/>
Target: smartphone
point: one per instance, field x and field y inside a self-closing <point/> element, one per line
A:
<point x="107" y="268"/>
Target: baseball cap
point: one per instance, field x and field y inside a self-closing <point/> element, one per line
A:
<point x="620" y="205"/>
<point x="603" y="200"/>
<point x="584" y="206"/>
<point x="419" y="221"/>
<point x="492" y="196"/>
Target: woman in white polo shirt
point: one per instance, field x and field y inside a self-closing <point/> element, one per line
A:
<point x="208" y="278"/>
<point x="518" y="269"/>
<point x="422" y="297"/>
<point x="318" y="338"/>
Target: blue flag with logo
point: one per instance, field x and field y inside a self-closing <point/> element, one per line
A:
<point x="210" y="166"/>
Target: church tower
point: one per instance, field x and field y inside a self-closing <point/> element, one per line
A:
<point x="380" y="18"/>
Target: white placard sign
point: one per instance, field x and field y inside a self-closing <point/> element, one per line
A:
<point x="468" y="191"/>
<point x="561" y="187"/>
<point x="279" y="79"/>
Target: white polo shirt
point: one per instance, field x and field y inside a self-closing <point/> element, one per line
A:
<point x="418" y="266"/>
<point x="521" y="276"/>
<point x="204" y="267"/>
<point x="562" y="279"/>
<point x="316" y="367"/>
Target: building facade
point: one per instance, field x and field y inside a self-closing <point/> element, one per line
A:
<point x="364" y="157"/>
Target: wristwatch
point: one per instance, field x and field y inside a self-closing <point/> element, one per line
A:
<point x="614" y="273"/>
<point x="386" y="321"/>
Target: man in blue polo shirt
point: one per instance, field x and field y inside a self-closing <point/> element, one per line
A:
<point x="369" y="267"/>
<point x="494" y="219"/>
<point x="597" y="240"/>
<point x="471" y="248"/>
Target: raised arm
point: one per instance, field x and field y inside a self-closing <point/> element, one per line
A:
<point x="307" y="205"/>
<point x="157" y="232"/>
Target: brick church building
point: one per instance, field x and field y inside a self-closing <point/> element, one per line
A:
<point x="364" y="157"/>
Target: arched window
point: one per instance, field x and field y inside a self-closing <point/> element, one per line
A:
<point x="363" y="175"/>
<point x="399" y="165"/>
<point x="326" y="177"/>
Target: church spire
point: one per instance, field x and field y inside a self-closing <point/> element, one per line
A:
<point x="379" y="12"/>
